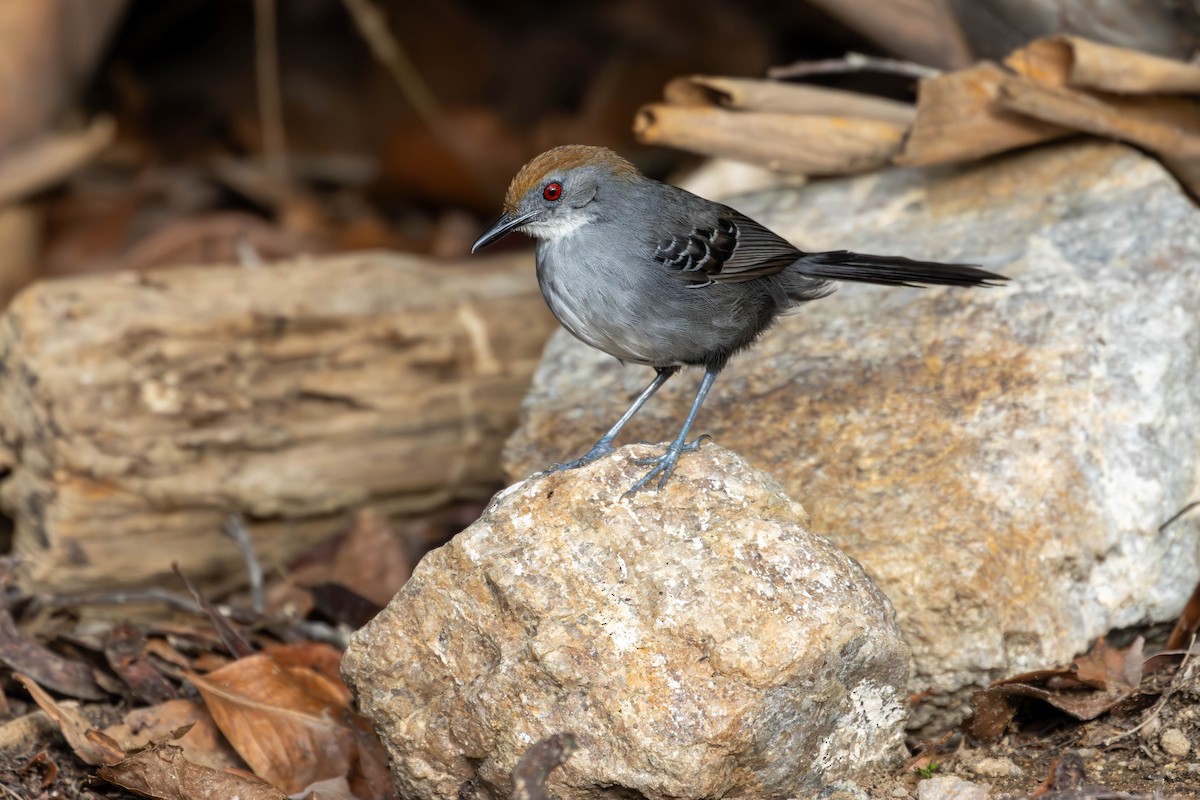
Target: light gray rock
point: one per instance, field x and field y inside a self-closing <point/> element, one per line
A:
<point x="948" y="787"/>
<point x="1175" y="742"/>
<point x="996" y="767"/>
<point x="699" y="642"/>
<point x="1003" y="462"/>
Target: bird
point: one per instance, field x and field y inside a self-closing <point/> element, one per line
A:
<point x="652" y="274"/>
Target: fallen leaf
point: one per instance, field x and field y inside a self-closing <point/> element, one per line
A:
<point x="373" y="560"/>
<point x="125" y="651"/>
<point x="324" y="659"/>
<point x="91" y="745"/>
<point x="1093" y="684"/>
<point x="343" y="606"/>
<point x="45" y="765"/>
<point x="44" y="666"/>
<point x="202" y="743"/>
<point x="1188" y="623"/>
<point x="330" y="789"/>
<point x="288" y="724"/>
<point x="164" y="773"/>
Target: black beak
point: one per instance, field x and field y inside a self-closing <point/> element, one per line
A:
<point x="502" y="226"/>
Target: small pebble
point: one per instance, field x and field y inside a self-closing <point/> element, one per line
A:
<point x="948" y="787"/>
<point x="1174" y="743"/>
<point x="900" y="791"/>
<point x="995" y="768"/>
<point x="1086" y="753"/>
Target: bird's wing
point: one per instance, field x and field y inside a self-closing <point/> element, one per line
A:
<point x="734" y="248"/>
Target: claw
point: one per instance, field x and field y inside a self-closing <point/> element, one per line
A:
<point x="599" y="450"/>
<point x="664" y="464"/>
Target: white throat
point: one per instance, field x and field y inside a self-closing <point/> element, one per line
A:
<point x="557" y="227"/>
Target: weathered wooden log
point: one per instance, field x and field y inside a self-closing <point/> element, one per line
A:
<point x="138" y="410"/>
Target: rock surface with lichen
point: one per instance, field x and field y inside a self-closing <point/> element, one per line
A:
<point x="698" y="642"/>
<point x="1008" y="464"/>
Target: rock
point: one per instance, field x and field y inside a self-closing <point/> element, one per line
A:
<point x="1003" y="461"/>
<point x="1174" y="742"/>
<point x="843" y="790"/>
<point x="698" y="641"/>
<point x="948" y="787"/>
<point x="995" y="767"/>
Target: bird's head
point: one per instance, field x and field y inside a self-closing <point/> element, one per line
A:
<point x="552" y="195"/>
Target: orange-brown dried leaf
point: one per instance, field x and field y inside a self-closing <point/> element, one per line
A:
<point x="91" y="745"/>
<point x="288" y="724"/>
<point x="164" y="773"/>
<point x="318" y="657"/>
<point x="1105" y="667"/>
<point x="201" y="743"/>
<point x="1188" y="623"/>
<point x="1094" y="684"/>
<point x="373" y="560"/>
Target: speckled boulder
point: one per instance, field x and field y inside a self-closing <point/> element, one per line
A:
<point x="699" y="642"/>
<point x="1008" y="464"/>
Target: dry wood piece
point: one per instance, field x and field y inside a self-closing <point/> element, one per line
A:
<point x="809" y="145"/>
<point x="958" y="118"/>
<point x="1084" y="64"/>
<point x="787" y="98"/>
<point x="138" y="410"/>
<point x="1177" y="145"/>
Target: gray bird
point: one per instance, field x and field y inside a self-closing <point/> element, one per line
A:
<point x="652" y="274"/>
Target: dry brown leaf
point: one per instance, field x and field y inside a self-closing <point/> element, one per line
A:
<point x="44" y="666"/>
<point x="1165" y="126"/>
<point x="202" y="743"/>
<point x="289" y="724"/>
<point x="1079" y="62"/>
<point x="958" y="119"/>
<point x="372" y="560"/>
<point x="1188" y="623"/>
<point x="165" y="774"/>
<point x="747" y="94"/>
<point x="1093" y="684"/>
<point x="794" y="143"/>
<point x="91" y="745"/>
<point x="324" y="659"/>
<point x="125" y="650"/>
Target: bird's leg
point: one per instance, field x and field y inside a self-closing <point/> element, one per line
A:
<point x="604" y="446"/>
<point x="664" y="465"/>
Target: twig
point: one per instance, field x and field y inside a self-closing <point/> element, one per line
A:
<point x="853" y="62"/>
<point x="1175" y="517"/>
<point x="270" y="96"/>
<point x="153" y="594"/>
<point x="230" y="636"/>
<point x="373" y="27"/>
<point x="1182" y="674"/>
<point x="235" y="528"/>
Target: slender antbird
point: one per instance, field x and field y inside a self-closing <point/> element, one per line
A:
<point x="652" y="274"/>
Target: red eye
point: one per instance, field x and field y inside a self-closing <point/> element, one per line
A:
<point x="553" y="191"/>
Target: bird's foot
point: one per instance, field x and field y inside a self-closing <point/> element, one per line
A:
<point x="599" y="450"/>
<point x="664" y="465"/>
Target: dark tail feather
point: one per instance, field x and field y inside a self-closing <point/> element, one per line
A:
<point x="842" y="265"/>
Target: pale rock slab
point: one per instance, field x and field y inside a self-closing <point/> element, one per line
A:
<point x="699" y="642"/>
<point x="1006" y="463"/>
